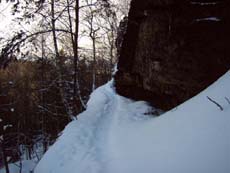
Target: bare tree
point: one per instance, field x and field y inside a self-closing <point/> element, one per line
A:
<point x="74" y="41"/>
<point x="59" y="63"/>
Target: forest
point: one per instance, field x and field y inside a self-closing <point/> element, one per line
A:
<point x="52" y="57"/>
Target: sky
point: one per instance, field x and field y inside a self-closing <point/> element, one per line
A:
<point x="8" y="26"/>
<point x="5" y="18"/>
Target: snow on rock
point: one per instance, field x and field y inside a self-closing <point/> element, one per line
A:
<point x="194" y="137"/>
<point x="215" y="19"/>
<point x="204" y="3"/>
<point x="114" y="135"/>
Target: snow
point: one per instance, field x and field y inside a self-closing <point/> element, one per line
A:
<point x="215" y="19"/>
<point x="204" y="3"/>
<point x="28" y="166"/>
<point x="115" y="135"/>
<point x="11" y="82"/>
<point x="7" y="126"/>
<point x="83" y="138"/>
<point x="114" y="70"/>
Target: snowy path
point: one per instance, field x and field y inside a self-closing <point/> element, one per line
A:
<point x="84" y="138"/>
<point x="114" y="135"/>
<point x="99" y="151"/>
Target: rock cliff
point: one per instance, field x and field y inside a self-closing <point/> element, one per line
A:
<point x="173" y="49"/>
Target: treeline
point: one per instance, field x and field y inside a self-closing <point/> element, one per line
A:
<point x="32" y="109"/>
<point x="48" y="71"/>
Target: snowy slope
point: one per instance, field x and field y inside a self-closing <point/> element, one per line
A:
<point x="115" y="136"/>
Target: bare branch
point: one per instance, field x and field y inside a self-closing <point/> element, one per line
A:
<point x="227" y="99"/>
<point x="217" y="104"/>
<point x="13" y="46"/>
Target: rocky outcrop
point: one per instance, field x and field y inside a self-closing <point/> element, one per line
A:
<point x="173" y="49"/>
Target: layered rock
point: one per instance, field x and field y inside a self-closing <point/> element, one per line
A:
<point x="173" y="49"/>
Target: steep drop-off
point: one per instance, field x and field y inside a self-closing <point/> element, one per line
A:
<point x="173" y="49"/>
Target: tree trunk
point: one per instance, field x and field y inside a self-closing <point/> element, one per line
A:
<point x="4" y="157"/>
<point x="94" y="63"/>
<point x="74" y="40"/>
<point x="75" y="51"/>
<point x="59" y="63"/>
<point x="54" y="32"/>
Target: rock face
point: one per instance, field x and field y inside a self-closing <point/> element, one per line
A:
<point x="173" y="49"/>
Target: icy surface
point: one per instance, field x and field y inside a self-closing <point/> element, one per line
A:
<point x="115" y="135"/>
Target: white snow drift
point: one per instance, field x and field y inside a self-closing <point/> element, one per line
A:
<point x="114" y="135"/>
